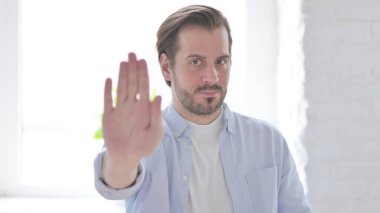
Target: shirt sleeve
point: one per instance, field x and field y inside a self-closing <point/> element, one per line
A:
<point x="112" y="193"/>
<point x="292" y="198"/>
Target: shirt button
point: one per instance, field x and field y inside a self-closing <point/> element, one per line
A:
<point x="185" y="178"/>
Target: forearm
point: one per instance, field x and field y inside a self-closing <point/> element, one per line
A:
<point x="118" y="174"/>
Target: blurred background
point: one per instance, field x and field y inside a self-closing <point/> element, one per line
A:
<point x="309" y="67"/>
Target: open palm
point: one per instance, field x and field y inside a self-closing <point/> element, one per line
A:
<point x="133" y="127"/>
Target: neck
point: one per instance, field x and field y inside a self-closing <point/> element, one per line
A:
<point x="195" y="118"/>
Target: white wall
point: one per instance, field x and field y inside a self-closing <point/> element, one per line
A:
<point x="342" y="87"/>
<point x="9" y="88"/>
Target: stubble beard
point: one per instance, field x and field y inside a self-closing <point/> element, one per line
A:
<point x="212" y="104"/>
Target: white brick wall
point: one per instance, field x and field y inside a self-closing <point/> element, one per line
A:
<point x="342" y="88"/>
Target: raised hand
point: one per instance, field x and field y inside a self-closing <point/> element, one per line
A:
<point x="133" y="127"/>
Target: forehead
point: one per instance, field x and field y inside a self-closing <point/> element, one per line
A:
<point x="195" y="39"/>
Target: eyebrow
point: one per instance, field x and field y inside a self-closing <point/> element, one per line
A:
<point x="195" y="56"/>
<point x="225" y="56"/>
<point x="203" y="57"/>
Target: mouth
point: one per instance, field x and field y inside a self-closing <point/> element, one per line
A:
<point x="210" y="91"/>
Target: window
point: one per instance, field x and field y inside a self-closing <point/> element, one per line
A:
<point x="57" y="56"/>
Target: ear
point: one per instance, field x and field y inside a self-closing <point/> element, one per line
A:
<point x="165" y="66"/>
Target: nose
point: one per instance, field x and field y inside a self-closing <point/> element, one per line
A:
<point x="210" y="74"/>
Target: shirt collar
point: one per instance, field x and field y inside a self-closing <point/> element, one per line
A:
<point x="178" y="124"/>
<point x="175" y="121"/>
<point x="230" y="119"/>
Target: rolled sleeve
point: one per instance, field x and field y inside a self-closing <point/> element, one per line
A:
<point x="112" y="193"/>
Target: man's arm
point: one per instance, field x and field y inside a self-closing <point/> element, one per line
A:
<point x="118" y="175"/>
<point x="132" y="128"/>
<point x="112" y="193"/>
<point x="292" y="198"/>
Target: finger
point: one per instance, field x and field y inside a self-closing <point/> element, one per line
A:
<point x="122" y="82"/>
<point x="143" y="87"/>
<point x="133" y="77"/>
<point x="108" y="106"/>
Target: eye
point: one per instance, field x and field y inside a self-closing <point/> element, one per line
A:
<point x="220" y="61"/>
<point x="223" y="61"/>
<point x="196" y="62"/>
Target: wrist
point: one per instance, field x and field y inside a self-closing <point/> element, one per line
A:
<point x="119" y="173"/>
<point x="121" y="163"/>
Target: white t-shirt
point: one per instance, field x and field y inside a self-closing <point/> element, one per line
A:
<point x="208" y="189"/>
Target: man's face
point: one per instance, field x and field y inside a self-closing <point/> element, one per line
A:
<point x="200" y="73"/>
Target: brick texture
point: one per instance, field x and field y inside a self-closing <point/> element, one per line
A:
<point x="342" y="87"/>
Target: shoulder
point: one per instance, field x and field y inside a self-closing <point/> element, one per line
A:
<point x="256" y="136"/>
<point x="252" y="122"/>
<point x="245" y="124"/>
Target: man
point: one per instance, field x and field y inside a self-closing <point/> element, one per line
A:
<point x="202" y="157"/>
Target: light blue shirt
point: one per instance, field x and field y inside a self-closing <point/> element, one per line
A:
<point x="258" y="167"/>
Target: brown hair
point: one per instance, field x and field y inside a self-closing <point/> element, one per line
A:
<point x="200" y="15"/>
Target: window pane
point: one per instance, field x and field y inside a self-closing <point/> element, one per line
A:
<point x="68" y="49"/>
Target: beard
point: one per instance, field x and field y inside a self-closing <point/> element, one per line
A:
<point x="212" y="104"/>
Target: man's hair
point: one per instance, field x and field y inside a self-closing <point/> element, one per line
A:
<point x="199" y="15"/>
